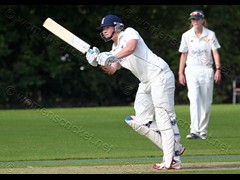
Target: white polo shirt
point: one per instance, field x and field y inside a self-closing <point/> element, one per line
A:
<point x="143" y="63"/>
<point x="199" y="49"/>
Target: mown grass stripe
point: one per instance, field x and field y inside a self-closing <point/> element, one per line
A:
<point x="112" y="160"/>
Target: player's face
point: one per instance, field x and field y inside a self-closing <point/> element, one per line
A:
<point x="197" y="23"/>
<point x="108" y="31"/>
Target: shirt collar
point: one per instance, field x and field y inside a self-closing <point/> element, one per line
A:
<point x="120" y="35"/>
<point x="204" y="32"/>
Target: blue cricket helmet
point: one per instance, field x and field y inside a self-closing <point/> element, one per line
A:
<point x="110" y="20"/>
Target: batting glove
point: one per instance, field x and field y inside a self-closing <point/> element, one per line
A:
<point x="106" y="58"/>
<point x="91" y="56"/>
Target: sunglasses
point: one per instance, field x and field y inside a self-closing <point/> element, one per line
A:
<point x="196" y="14"/>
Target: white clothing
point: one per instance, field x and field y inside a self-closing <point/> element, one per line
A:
<point x="157" y="82"/>
<point x="200" y="93"/>
<point x="199" y="49"/>
<point x="155" y="95"/>
<point x="143" y="63"/>
<point x="199" y="76"/>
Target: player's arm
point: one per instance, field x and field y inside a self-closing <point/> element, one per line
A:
<point x="128" y="50"/>
<point x="107" y="58"/>
<point x="182" y="64"/>
<point x="217" y="75"/>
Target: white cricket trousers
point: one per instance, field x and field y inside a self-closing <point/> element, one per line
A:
<point x="159" y="93"/>
<point x="200" y="82"/>
<point x="156" y="98"/>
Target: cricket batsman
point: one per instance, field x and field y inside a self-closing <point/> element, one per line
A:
<point x="155" y="116"/>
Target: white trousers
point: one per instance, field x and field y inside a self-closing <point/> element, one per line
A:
<point x="156" y="100"/>
<point x="156" y="94"/>
<point x="200" y="82"/>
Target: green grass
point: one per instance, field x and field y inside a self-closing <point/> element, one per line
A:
<point x="101" y="133"/>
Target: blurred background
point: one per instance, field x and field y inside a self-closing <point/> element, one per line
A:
<point x="38" y="68"/>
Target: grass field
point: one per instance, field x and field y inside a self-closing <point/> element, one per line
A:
<point x="97" y="140"/>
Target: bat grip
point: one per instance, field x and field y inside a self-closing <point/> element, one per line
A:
<point x="91" y="51"/>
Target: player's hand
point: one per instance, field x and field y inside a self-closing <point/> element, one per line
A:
<point x="91" y="56"/>
<point x="109" y="69"/>
<point x="182" y="79"/>
<point x="106" y="58"/>
<point x="217" y="76"/>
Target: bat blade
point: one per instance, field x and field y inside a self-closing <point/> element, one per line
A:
<point x="66" y="35"/>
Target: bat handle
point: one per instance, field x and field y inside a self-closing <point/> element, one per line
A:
<point x="91" y="51"/>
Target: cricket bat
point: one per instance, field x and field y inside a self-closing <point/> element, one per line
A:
<point x="66" y="35"/>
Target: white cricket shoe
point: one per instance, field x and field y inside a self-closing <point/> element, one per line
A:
<point x="203" y="136"/>
<point x="175" y="165"/>
<point x="193" y="136"/>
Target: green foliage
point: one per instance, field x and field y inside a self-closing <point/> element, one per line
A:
<point x="46" y="70"/>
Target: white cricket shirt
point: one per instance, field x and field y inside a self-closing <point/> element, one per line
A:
<point x="143" y="63"/>
<point x="199" y="49"/>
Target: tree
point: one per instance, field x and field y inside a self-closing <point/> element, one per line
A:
<point x="45" y="70"/>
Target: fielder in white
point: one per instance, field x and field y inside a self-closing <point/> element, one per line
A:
<point x="155" y="95"/>
<point x="198" y="48"/>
